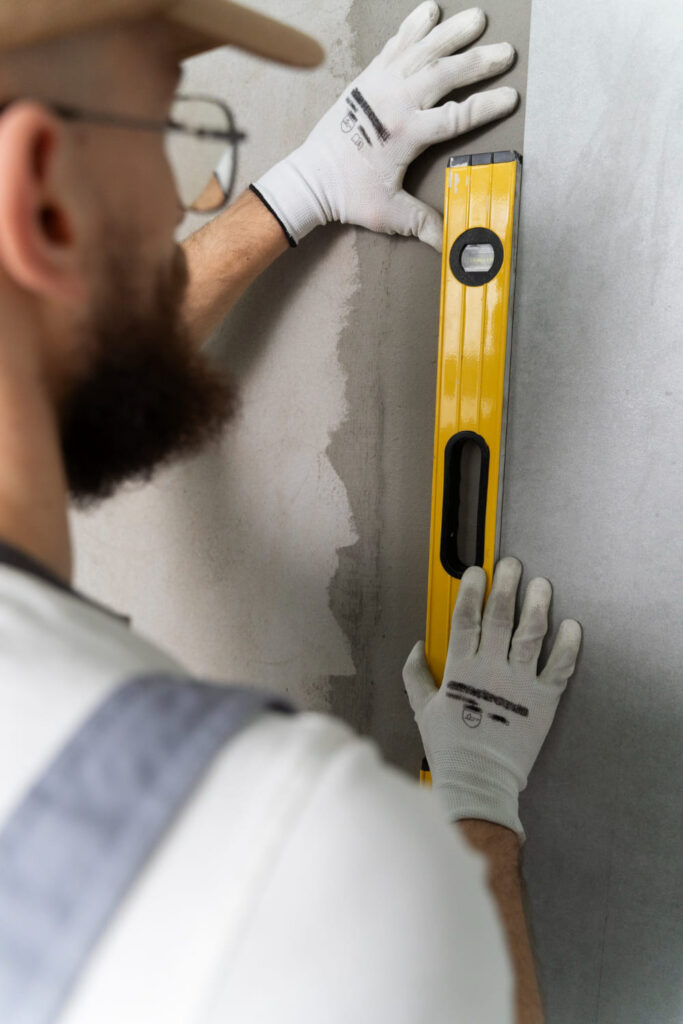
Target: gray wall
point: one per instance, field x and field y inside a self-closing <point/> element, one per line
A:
<point x="321" y="589"/>
<point x="593" y="498"/>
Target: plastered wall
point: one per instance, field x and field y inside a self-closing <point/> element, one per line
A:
<point x="294" y="552"/>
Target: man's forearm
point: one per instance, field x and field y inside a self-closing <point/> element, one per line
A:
<point x="500" y="847"/>
<point x="224" y="258"/>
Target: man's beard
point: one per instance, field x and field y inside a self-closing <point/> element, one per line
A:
<point x="144" y="396"/>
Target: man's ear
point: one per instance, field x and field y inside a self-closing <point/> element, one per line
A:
<point x="39" y="245"/>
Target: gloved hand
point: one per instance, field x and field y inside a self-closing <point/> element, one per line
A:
<point x="351" y="166"/>
<point x="483" y="729"/>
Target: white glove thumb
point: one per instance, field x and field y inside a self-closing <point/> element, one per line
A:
<point x="420" y="685"/>
<point x="406" y="215"/>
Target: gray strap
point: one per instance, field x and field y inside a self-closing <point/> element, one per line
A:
<point x="74" y="845"/>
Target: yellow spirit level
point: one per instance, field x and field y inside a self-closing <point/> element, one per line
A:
<point x="477" y="285"/>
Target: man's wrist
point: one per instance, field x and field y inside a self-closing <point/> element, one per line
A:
<point x="224" y="257"/>
<point x="500" y="847"/>
<point x="253" y="188"/>
<point x="494" y="840"/>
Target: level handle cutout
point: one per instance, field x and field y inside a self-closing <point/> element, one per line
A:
<point x="465" y="485"/>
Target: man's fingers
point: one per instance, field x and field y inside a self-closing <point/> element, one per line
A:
<point x="454" y="33"/>
<point x="466" y="622"/>
<point x="499" y="614"/>
<point x="562" y="660"/>
<point x="533" y="623"/>
<point x="412" y="29"/>
<point x="448" y="73"/>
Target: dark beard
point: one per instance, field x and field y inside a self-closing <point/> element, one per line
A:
<point x="143" y="397"/>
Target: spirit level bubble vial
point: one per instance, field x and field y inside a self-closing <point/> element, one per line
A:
<point x="481" y="206"/>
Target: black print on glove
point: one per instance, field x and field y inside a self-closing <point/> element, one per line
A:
<point x="365" y="135"/>
<point x="348" y="122"/>
<point x="455" y="689"/>
<point x="382" y="133"/>
<point x="471" y="713"/>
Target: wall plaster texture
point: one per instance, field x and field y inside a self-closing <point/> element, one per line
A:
<point x="293" y="553"/>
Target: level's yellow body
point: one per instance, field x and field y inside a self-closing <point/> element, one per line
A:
<point x="480" y="216"/>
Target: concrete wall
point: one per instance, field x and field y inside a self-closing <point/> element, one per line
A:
<point x="294" y="553"/>
<point x="593" y="498"/>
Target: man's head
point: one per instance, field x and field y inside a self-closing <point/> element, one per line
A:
<point x="91" y="280"/>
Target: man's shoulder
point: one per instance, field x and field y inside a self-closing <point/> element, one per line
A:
<point x="325" y="776"/>
<point x="359" y="854"/>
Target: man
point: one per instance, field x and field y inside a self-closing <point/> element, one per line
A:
<point x="305" y="879"/>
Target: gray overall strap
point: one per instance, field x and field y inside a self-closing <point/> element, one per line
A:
<point x="71" y="849"/>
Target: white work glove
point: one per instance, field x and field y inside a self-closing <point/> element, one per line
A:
<point x="484" y="727"/>
<point x="351" y="166"/>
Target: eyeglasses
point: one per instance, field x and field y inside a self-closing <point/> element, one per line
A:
<point x="192" y="120"/>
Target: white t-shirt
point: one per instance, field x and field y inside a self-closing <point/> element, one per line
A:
<point x="306" y="881"/>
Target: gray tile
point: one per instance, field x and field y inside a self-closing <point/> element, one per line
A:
<point x="593" y="500"/>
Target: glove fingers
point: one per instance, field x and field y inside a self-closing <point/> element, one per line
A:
<point x="466" y="622"/>
<point x="454" y="33"/>
<point x="410" y="216"/>
<point x="482" y="107"/>
<point x="449" y="73"/>
<point x="533" y="623"/>
<point x="562" y="660"/>
<point x="413" y="28"/>
<point x="499" y="614"/>
<point x="419" y="681"/>
<point x="446" y="121"/>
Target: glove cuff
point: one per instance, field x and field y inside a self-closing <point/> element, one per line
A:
<point x="288" y="195"/>
<point x="470" y="801"/>
<point x="471" y="785"/>
<point x="252" y="188"/>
